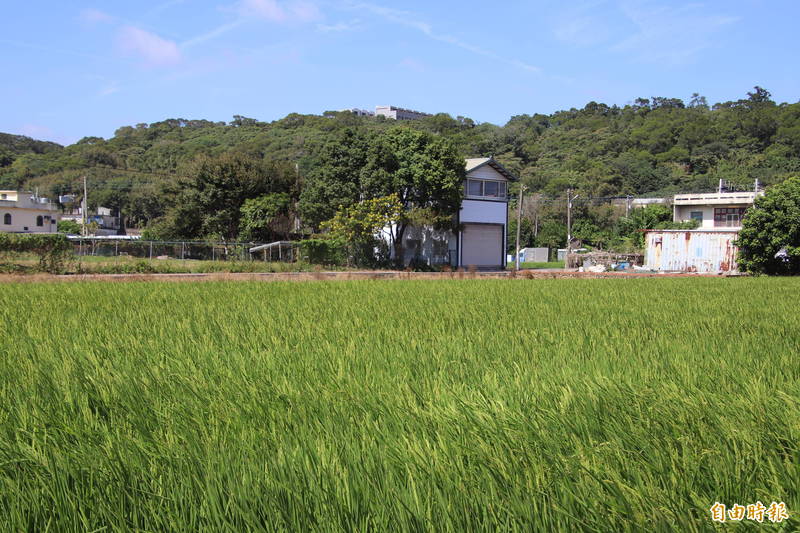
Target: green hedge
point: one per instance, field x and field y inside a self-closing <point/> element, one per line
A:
<point x="52" y="249"/>
<point x="323" y="251"/>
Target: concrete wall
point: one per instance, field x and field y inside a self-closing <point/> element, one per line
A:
<point x="535" y="255"/>
<point x="683" y="213"/>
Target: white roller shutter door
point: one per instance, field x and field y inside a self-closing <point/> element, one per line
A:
<point x="482" y="245"/>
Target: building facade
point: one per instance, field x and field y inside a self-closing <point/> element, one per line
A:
<point x="25" y="212"/>
<point x="399" y="113"/>
<point x="482" y="239"/>
<point x="104" y="218"/>
<point x="713" y="210"/>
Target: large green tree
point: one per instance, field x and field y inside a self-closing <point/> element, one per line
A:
<point x="335" y="182"/>
<point x="209" y="197"/>
<point x="426" y="174"/>
<point x="770" y="236"/>
<point x="266" y="218"/>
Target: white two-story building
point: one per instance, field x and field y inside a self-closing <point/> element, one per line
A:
<point x="483" y="221"/>
<point x="713" y="210"/>
<point x="25" y="212"/>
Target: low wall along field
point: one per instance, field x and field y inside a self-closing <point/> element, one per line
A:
<point x="551" y="405"/>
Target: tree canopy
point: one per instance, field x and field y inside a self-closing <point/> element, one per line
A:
<point x="652" y="146"/>
<point x="770" y="236"/>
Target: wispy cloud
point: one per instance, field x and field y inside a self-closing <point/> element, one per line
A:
<point x="109" y="89"/>
<point x="340" y="26"/>
<point x="163" y="7"/>
<point x="213" y="34"/>
<point x="299" y="11"/>
<point x="282" y="12"/>
<point x="667" y="34"/>
<point x="95" y="16"/>
<point x="581" y="23"/>
<point x="49" y="49"/>
<point x="408" y="19"/>
<point x="149" y="47"/>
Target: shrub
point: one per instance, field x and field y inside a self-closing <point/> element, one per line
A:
<point x="323" y="251"/>
<point x="53" y="250"/>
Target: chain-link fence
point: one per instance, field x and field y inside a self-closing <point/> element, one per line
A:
<point x="198" y="250"/>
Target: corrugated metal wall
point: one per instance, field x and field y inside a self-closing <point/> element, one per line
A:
<point x="691" y="251"/>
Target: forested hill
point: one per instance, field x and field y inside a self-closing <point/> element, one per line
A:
<point x="13" y="146"/>
<point x="652" y="146"/>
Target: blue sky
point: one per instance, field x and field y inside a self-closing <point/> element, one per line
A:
<point x="75" y="69"/>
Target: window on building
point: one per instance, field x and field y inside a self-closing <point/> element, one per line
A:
<point x="3" y="196"/>
<point x="697" y="215"/>
<point x="728" y="217"/>
<point x="474" y="188"/>
<point x="7" y="219"/>
<point x="486" y="189"/>
<point x="40" y="221"/>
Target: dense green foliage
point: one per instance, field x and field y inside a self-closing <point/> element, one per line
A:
<point x="53" y="250"/>
<point x="770" y="234"/>
<point x="70" y="227"/>
<point x="361" y="228"/>
<point x="14" y="146"/>
<point x="654" y="146"/>
<point x="397" y="406"/>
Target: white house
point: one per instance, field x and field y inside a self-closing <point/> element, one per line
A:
<point x="483" y="220"/>
<point x="107" y="223"/>
<point x="713" y="210"/>
<point x="25" y="212"/>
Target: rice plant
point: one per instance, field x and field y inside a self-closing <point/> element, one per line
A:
<point x="557" y="405"/>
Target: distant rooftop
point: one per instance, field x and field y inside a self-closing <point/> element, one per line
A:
<point x="716" y="198"/>
<point x="476" y="162"/>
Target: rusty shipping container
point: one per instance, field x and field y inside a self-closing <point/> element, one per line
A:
<point x="710" y="251"/>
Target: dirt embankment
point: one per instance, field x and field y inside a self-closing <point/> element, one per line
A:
<point x="337" y="276"/>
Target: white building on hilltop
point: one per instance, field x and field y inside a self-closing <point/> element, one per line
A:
<point x="25" y="212"/>
<point x="398" y="113"/>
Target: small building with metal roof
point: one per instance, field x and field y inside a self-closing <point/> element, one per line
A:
<point x="711" y="251"/>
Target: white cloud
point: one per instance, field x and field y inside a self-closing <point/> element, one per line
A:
<point x="405" y="18"/>
<point x="340" y="26"/>
<point x="154" y="50"/>
<point x="216" y="32"/>
<point x="95" y="16"/>
<point x="109" y="89"/>
<point x="281" y="12"/>
<point x="671" y="35"/>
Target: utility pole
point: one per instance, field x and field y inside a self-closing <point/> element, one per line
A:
<point x="627" y="205"/>
<point x="84" y="206"/>
<point x="570" y="199"/>
<point x="519" y="219"/>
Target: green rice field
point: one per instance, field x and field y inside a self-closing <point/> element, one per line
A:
<point x="459" y="405"/>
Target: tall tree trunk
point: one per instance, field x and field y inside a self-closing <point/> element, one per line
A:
<point x="399" y="256"/>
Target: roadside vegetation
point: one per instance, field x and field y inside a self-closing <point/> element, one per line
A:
<point x="538" y="266"/>
<point x="397" y="406"/>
